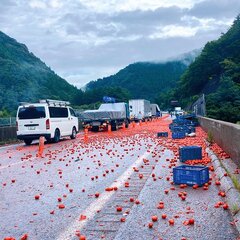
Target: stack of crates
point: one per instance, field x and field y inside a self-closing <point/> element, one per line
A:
<point x="177" y="129"/>
<point x="190" y="153"/>
<point x="186" y="174"/>
<point x="190" y="175"/>
<point x="192" y="118"/>
<point x="181" y="126"/>
<point x="162" y="134"/>
<point x="178" y="135"/>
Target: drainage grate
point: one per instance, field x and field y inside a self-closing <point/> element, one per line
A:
<point x="107" y="222"/>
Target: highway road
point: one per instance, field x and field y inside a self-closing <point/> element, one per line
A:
<point x="110" y="187"/>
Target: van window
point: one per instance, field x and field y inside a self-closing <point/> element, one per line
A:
<point x="72" y="112"/>
<point x="31" y="112"/>
<point x="58" y="112"/>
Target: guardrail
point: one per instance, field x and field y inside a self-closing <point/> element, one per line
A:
<point x="225" y="134"/>
<point x="8" y="133"/>
<point x="10" y="121"/>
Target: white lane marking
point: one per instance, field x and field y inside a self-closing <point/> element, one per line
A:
<point x="17" y="163"/>
<point x="104" y="197"/>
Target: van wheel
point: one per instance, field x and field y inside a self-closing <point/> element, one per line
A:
<point x="56" y="136"/>
<point x="74" y="133"/>
<point x="28" y="141"/>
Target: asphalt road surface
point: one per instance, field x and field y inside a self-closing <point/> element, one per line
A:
<point x="109" y="187"/>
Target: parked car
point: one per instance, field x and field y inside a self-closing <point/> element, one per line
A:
<point x="48" y="118"/>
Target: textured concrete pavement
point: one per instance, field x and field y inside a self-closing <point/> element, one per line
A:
<point x="107" y="188"/>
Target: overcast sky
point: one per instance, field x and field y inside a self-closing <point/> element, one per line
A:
<point x="83" y="40"/>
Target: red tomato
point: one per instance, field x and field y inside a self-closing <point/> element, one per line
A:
<point x="154" y="218"/>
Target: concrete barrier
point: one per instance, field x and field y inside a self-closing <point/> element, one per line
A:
<point x="8" y="133"/>
<point x="226" y="135"/>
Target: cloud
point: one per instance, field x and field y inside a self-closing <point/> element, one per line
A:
<point x="86" y="39"/>
<point x="37" y="4"/>
<point x="216" y="9"/>
<point x="89" y="73"/>
<point x="174" y="31"/>
<point x="114" y="6"/>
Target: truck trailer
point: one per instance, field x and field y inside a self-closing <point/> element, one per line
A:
<point x="140" y="109"/>
<point x="114" y="114"/>
<point x="155" y="110"/>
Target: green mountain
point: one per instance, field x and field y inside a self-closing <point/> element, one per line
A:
<point x="25" y="78"/>
<point x="215" y="72"/>
<point x="147" y="79"/>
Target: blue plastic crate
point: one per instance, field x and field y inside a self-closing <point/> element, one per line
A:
<point x="177" y="129"/>
<point x="190" y="175"/>
<point x="190" y="153"/>
<point x="192" y="129"/>
<point x="178" y="135"/>
<point x="188" y="130"/>
<point x="181" y="122"/>
<point x="162" y="134"/>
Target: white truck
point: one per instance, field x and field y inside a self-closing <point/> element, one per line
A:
<point x="156" y="112"/>
<point x="114" y="114"/>
<point x="140" y="109"/>
<point x="51" y="119"/>
<point x="178" y="111"/>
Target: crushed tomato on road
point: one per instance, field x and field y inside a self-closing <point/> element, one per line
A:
<point x="111" y="186"/>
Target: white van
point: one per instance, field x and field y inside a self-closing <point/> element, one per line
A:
<point x="48" y="118"/>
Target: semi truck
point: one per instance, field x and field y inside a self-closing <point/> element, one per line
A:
<point x="155" y="110"/>
<point x="113" y="114"/>
<point x="140" y="109"/>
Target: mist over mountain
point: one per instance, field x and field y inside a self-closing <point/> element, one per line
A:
<point x="148" y="79"/>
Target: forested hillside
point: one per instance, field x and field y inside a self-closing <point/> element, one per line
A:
<point x="24" y="77"/>
<point x="146" y="79"/>
<point x="216" y="72"/>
